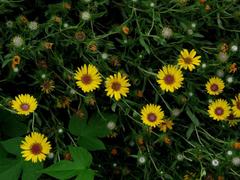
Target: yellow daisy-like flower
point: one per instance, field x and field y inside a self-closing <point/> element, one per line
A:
<point x="215" y="86"/>
<point x="165" y="125"/>
<point x="88" y="78"/>
<point x="152" y="115"/>
<point x="24" y="104"/>
<point x="117" y="86"/>
<point x="188" y="60"/>
<point x="219" y="109"/>
<point x="35" y="147"/>
<point x="170" y="78"/>
<point x="236" y="106"/>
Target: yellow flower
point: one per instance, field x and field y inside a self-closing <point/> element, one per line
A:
<point x="35" y="147"/>
<point x="24" y="104"/>
<point x="219" y="109"/>
<point x="117" y="86"/>
<point x="152" y="115"/>
<point x="170" y="78"/>
<point x="215" y="86"/>
<point x="188" y="60"/>
<point x="236" y="106"/>
<point x="165" y="125"/>
<point x="88" y="78"/>
<point x="232" y="121"/>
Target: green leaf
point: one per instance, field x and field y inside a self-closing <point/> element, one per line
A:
<point x="77" y="125"/>
<point x="63" y="170"/>
<point x="81" y="156"/>
<point x="143" y="43"/>
<point x="91" y="143"/>
<point x="11" y="124"/>
<point x="190" y="131"/>
<point x="12" y="146"/>
<point x="10" y="169"/>
<point x="31" y="170"/>
<point x="3" y="153"/>
<point x="192" y="116"/>
<point x="87" y="174"/>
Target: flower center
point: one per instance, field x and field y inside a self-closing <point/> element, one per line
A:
<point x="169" y="79"/>
<point x="188" y="60"/>
<point x="116" y="86"/>
<point x="214" y="87"/>
<point x="86" y="79"/>
<point x="238" y="105"/>
<point x="25" y="107"/>
<point x="36" y="148"/>
<point x="219" y="111"/>
<point x="152" y="117"/>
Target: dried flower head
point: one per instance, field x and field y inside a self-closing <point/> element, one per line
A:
<point x="47" y="86"/>
<point x="80" y="36"/>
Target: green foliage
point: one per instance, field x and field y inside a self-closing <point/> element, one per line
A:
<point x="90" y="131"/>
<point x="79" y="167"/>
<point x="42" y="45"/>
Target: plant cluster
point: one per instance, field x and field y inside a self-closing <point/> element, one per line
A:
<point x="119" y="89"/>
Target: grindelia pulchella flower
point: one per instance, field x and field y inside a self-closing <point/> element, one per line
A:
<point x="170" y="78"/>
<point x="117" y="86"/>
<point x="236" y="106"/>
<point x="88" y="78"/>
<point x="215" y="86"/>
<point x="165" y="125"/>
<point x="152" y="115"/>
<point x="188" y="60"/>
<point x="219" y="109"/>
<point x="35" y="147"/>
<point x="24" y="104"/>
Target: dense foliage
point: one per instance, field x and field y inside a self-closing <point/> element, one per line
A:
<point x="119" y="89"/>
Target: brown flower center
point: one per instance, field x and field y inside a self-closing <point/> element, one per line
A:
<point x="214" y="87"/>
<point x="169" y="79"/>
<point x="219" y="111"/>
<point x="36" y="149"/>
<point x="86" y="79"/>
<point x="188" y="60"/>
<point x="116" y="86"/>
<point x="25" y="107"/>
<point x="152" y="117"/>
<point x="238" y="105"/>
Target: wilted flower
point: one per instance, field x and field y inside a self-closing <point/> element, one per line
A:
<point x="17" y="41"/>
<point x="167" y="32"/>
<point x="85" y="16"/>
<point x="33" y="25"/>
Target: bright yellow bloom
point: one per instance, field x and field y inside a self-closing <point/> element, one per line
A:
<point x="215" y="86"/>
<point x="35" y="147"/>
<point x="165" y="125"/>
<point x="188" y="60"/>
<point x="236" y="106"/>
<point x="117" y="86"/>
<point x="152" y="115"/>
<point x="219" y="109"/>
<point x="170" y="78"/>
<point x="24" y="104"/>
<point x="88" y="78"/>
